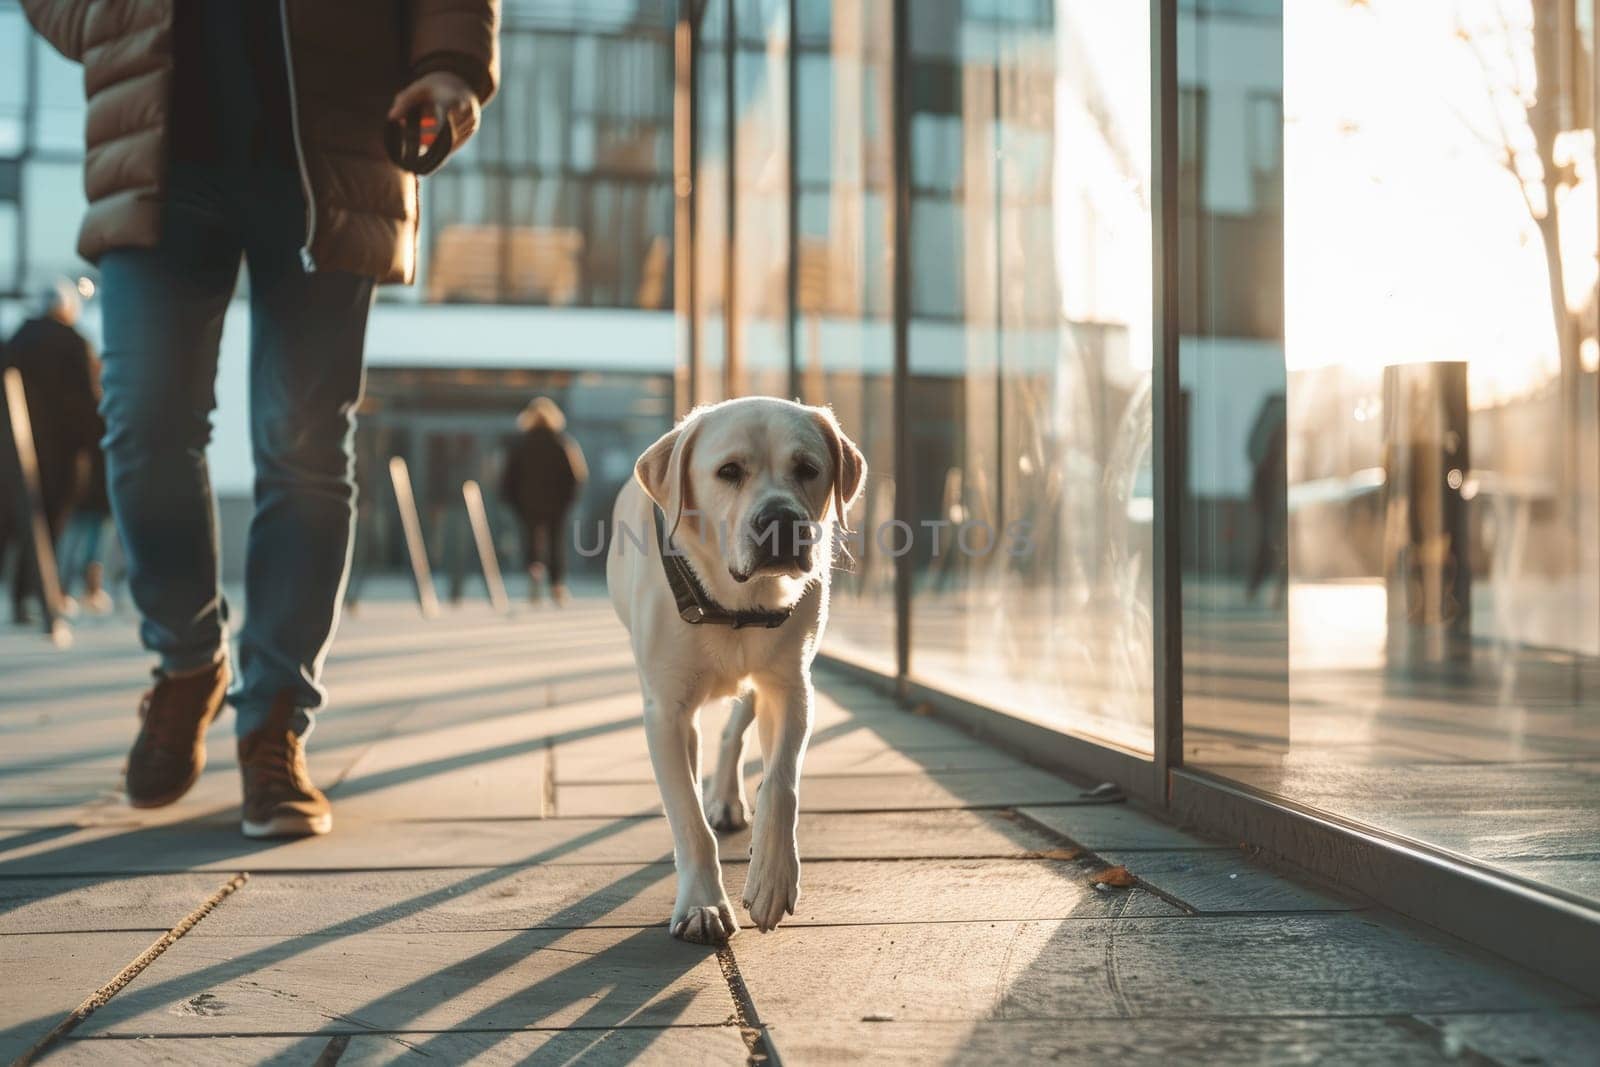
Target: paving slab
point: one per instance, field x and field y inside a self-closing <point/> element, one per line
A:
<point x="384" y="981"/>
<point x="501" y="781"/>
<point x="491" y="767"/>
<point x="1547" y="1038"/>
<point x="867" y="792"/>
<point x="215" y="844"/>
<point x="1361" y="1042"/>
<point x="1119" y="827"/>
<point x="1174" y="968"/>
<point x="218" y="1051"/>
<point x="625" y="757"/>
<point x="1212" y="880"/>
<point x="141" y="902"/>
<point x="833" y="892"/>
<point x="635" y="1045"/>
<point x="90" y="793"/>
<point x="60" y="971"/>
<point x="946" y="891"/>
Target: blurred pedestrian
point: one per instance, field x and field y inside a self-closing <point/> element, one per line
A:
<point x="1266" y="449"/>
<point x="544" y="470"/>
<point x="57" y="367"/>
<point x="255" y="132"/>
<point x="80" y="553"/>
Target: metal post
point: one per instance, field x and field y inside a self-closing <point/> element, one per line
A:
<point x="1427" y="452"/>
<point x="900" y="243"/>
<point x="412" y="525"/>
<point x="684" y="133"/>
<point x="732" y="357"/>
<point x="792" y="220"/>
<point x="38" y="530"/>
<point x="487" y="557"/>
<point x="1167" y="402"/>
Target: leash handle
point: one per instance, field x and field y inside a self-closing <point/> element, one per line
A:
<point x="403" y="141"/>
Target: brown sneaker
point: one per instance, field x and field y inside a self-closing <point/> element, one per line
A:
<point x="279" y="799"/>
<point x="170" y="751"/>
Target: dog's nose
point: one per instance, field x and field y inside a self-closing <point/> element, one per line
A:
<point x="782" y="534"/>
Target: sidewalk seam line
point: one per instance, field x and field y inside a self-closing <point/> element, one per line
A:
<point x="100" y="997"/>
<point x="757" y="1038"/>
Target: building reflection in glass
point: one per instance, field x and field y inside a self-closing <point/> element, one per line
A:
<point x="1433" y="669"/>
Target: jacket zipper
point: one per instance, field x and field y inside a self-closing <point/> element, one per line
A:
<point x="299" y="152"/>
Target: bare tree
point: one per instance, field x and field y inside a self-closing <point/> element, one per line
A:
<point x="1554" y="97"/>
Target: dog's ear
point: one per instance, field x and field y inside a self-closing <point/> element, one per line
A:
<point x="849" y="465"/>
<point x="663" y="470"/>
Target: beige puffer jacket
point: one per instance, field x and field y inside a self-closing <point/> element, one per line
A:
<point x="347" y="59"/>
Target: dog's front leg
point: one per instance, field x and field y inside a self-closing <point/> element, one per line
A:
<point x="702" y="912"/>
<point x="783" y="715"/>
<point x="727" y="809"/>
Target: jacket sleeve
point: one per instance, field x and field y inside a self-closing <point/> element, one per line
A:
<point x="60" y="22"/>
<point x="459" y="36"/>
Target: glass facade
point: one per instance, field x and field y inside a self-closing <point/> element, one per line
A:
<point x="1393" y="593"/>
<point x="843" y="340"/>
<point x="1030" y="362"/>
<point x="41" y="152"/>
<point x="563" y="198"/>
<point x="1359" y="548"/>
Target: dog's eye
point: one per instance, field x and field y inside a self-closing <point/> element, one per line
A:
<point x="806" y="470"/>
<point x="730" y="472"/>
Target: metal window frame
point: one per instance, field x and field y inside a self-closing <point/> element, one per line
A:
<point x="900" y="305"/>
<point x="1166" y="401"/>
<point x="685" y="283"/>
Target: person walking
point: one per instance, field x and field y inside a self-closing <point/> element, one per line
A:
<point x="57" y="366"/>
<point x="1269" y="488"/>
<point x="544" y="469"/>
<point x="221" y="133"/>
<point x="79" y="554"/>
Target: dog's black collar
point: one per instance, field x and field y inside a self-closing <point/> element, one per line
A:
<point x="695" y="605"/>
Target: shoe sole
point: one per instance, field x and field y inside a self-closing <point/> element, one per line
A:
<point x="289" y="826"/>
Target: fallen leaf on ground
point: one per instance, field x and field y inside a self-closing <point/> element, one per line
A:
<point x="1054" y="854"/>
<point x="1117" y="877"/>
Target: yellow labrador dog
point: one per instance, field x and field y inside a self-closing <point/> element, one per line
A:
<point x="719" y="564"/>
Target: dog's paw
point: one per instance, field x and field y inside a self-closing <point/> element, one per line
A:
<point x="772" y="884"/>
<point x="705" y="925"/>
<point x="727" y="815"/>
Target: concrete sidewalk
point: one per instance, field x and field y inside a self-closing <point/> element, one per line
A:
<point x="499" y="878"/>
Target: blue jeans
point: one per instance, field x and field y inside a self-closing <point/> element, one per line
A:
<point x="79" y="546"/>
<point x="162" y="311"/>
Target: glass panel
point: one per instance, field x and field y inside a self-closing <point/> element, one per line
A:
<point x="9" y="266"/>
<point x="1030" y="359"/>
<point x="564" y="198"/>
<point x="15" y="38"/>
<point x="711" y="203"/>
<point x="58" y="108"/>
<point x="761" y="172"/>
<point x="845" y="333"/>
<point x="1424" y="477"/>
<point x="53" y="204"/>
<point x="1231" y="367"/>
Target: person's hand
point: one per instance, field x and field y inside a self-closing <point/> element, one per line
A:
<point x="441" y="95"/>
